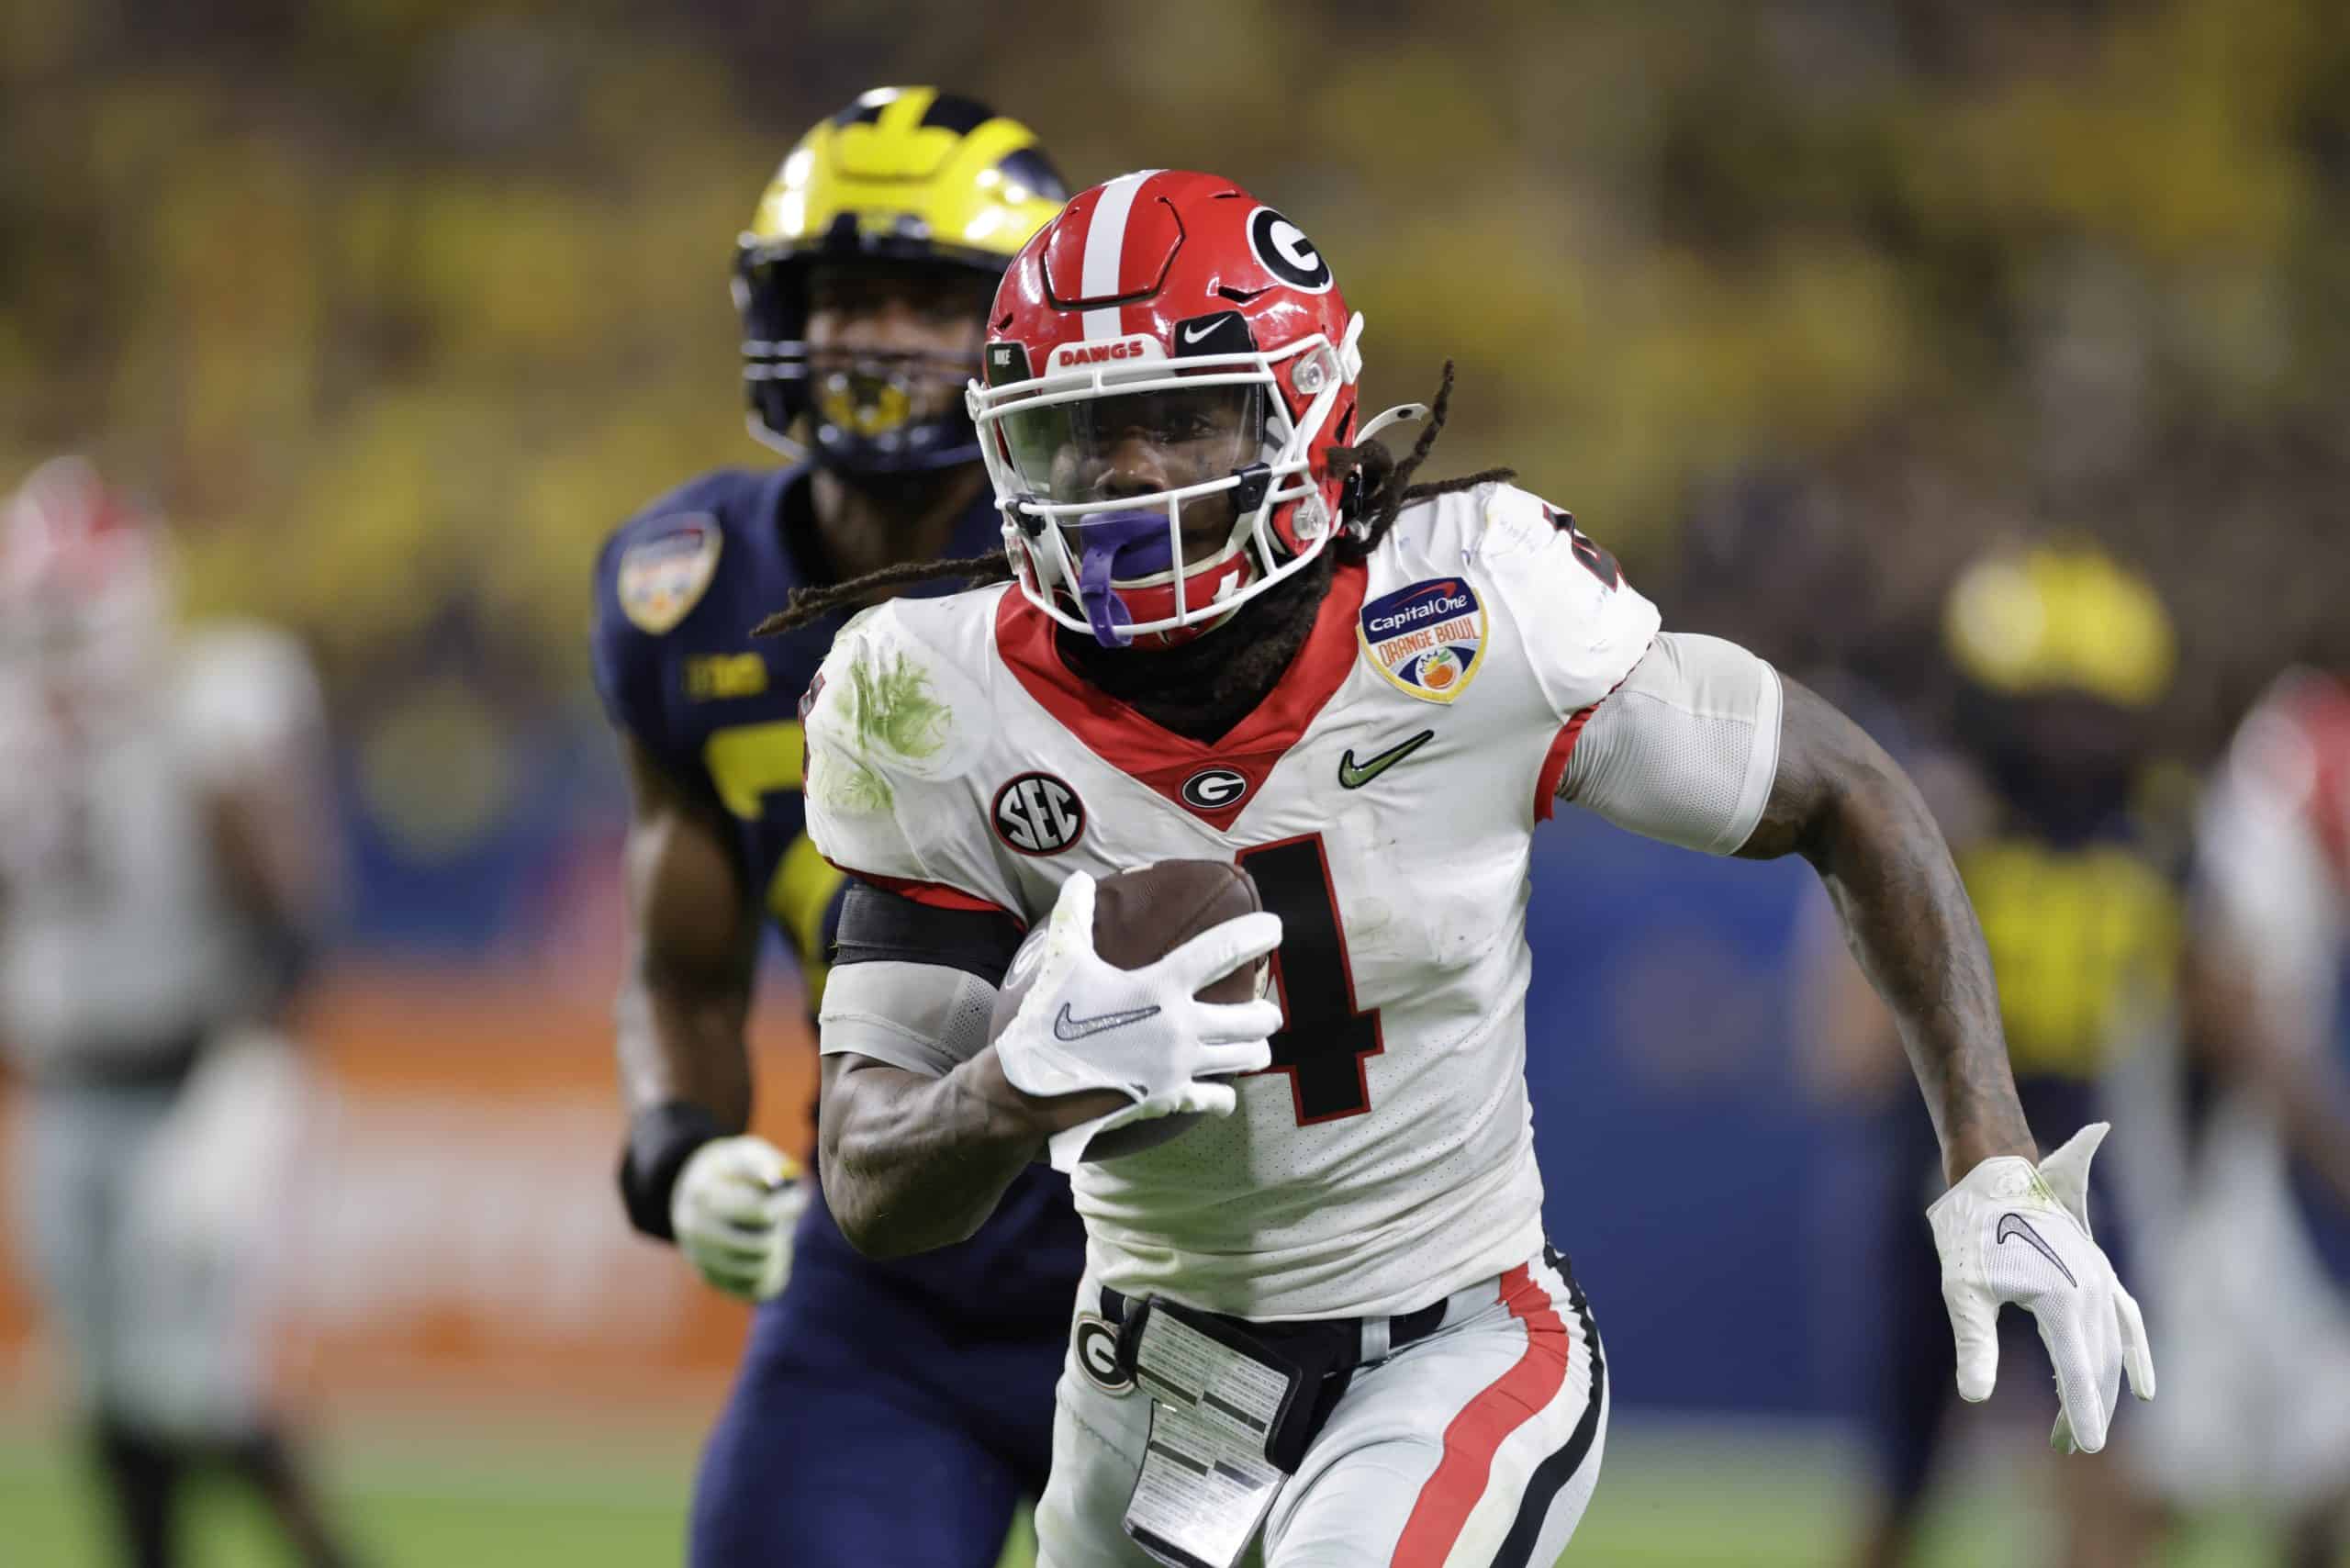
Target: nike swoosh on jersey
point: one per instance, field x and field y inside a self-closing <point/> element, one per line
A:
<point x="2016" y="1225"/>
<point x="1354" y="776"/>
<point x="1068" y="1028"/>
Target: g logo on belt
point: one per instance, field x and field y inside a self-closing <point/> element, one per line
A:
<point x="1097" y="1354"/>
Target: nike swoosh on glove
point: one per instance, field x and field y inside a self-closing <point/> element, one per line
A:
<point x="1086" y="1024"/>
<point x="732" y="1210"/>
<point x="2009" y="1232"/>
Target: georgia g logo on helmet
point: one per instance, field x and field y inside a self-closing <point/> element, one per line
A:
<point x="1286" y="253"/>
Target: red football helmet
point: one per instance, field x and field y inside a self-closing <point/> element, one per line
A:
<point x="1166" y="363"/>
<point x="84" y="582"/>
<point x="2296" y="745"/>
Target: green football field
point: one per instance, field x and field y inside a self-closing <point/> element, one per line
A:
<point x="1670" y="1498"/>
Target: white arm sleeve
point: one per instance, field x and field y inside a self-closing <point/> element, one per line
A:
<point x="1686" y="749"/>
<point x="926" y="1018"/>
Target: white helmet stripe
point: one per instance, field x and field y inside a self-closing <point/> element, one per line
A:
<point x="1106" y="246"/>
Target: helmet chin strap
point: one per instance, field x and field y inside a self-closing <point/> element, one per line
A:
<point x="775" y="440"/>
<point x="1402" y="413"/>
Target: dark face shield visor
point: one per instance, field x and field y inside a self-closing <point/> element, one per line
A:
<point x="1135" y="444"/>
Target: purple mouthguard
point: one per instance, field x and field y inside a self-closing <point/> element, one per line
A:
<point x="1118" y="544"/>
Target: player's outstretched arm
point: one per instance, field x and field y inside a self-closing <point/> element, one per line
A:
<point x="1842" y="805"/>
<point x="691" y="1174"/>
<point x="2008" y="1231"/>
<point x="1705" y="745"/>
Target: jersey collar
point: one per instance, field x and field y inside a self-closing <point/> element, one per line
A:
<point x="1167" y="762"/>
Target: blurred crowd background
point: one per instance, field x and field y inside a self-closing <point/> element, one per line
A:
<point x="395" y="308"/>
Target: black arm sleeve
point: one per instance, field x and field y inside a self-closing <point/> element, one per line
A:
<point x="879" y="927"/>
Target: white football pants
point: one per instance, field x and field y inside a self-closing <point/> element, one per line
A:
<point x="1477" y="1447"/>
<point x="152" y="1215"/>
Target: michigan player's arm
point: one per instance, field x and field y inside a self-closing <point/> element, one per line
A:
<point x="919" y="1132"/>
<point x="685" y="997"/>
<point x="689" y="1172"/>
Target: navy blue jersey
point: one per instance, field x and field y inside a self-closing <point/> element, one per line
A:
<point x="679" y="588"/>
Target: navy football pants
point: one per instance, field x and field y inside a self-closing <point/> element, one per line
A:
<point x="867" y="1426"/>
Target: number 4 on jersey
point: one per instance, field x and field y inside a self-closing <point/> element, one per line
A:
<point x="1324" y="1040"/>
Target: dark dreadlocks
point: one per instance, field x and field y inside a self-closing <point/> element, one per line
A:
<point x="1386" y="487"/>
<point x="1377" y="487"/>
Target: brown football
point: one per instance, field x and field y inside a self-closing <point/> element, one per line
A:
<point x="1140" y="916"/>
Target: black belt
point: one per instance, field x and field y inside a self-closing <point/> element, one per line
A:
<point x="1324" y="1353"/>
<point x="159" y="1064"/>
<point x="1339" y="1339"/>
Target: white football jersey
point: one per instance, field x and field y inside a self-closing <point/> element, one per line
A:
<point x="1384" y="797"/>
<point x="2274" y="842"/>
<point x="118" y="936"/>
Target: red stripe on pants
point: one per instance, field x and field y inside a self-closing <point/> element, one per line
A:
<point x="1500" y="1408"/>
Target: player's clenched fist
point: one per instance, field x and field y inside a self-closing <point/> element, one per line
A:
<point x="1085" y="1024"/>
<point x="2009" y="1232"/>
<point x="733" y="1210"/>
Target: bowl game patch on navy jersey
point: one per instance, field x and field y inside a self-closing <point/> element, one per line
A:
<point x="663" y="577"/>
<point x="1426" y="638"/>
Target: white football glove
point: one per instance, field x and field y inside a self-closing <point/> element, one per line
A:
<point x="732" y="1210"/>
<point x="2008" y="1232"/>
<point x="1086" y="1024"/>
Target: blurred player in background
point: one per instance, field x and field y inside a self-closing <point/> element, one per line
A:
<point x="166" y="860"/>
<point x="2252" y="1280"/>
<point x="2060" y="656"/>
<point x="884" y="1413"/>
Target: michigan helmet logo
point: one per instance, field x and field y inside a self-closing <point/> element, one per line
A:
<point x="1426" y="639"/>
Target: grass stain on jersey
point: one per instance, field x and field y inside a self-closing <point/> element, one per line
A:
<point x="889" y="708"/>
<point x="896" y="710"/>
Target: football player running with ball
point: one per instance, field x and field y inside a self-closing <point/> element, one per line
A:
<point x="1326" y="1319"/>
<point x="862" y="282"/>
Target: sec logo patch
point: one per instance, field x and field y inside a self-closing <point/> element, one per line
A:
<point x="1426" y="639"/>
<point x="1038" y="814"/>
<point x="663" y="575"/>
<point x="1097" y="1355"/>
